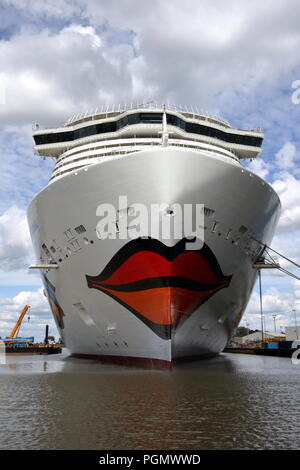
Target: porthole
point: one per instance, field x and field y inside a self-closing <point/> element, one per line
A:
<point x="169" y="211"/>
<point x="243" y="229"/>
<point x="214" y="226"/>
<point x="228" y="233"/>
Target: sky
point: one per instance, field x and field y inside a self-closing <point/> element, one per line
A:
<point x="238" y="60"/>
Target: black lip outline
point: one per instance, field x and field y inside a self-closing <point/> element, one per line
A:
<point x="169" y="253"/>
<point x="155" y="282"/>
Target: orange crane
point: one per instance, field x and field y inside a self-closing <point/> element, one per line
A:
<point x="15" y="331"/>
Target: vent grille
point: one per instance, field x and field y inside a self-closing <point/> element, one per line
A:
<point x="46" y="251"/>
<point x="80" y="229"/>
<point x="208" y="212"/>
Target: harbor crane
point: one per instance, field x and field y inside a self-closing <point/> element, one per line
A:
<point x="15" y="331"/>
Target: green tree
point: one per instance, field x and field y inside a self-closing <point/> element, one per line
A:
<point x="242" y="331"/>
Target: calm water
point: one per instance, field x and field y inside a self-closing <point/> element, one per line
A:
<point x="229" y="402"/>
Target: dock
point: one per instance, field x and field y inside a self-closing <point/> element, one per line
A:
<point x="25" y="346"/>
<point x="280" y="352"/>
<point x="32" y="349"/>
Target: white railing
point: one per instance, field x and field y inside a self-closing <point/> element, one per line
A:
<point x="71" y="162"/>
<point x="106" y="110"/>
<point x="120" y="108"/>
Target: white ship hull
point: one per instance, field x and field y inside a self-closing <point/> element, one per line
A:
<point x="153" y="325"/>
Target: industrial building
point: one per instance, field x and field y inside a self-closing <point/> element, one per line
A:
<point x="257" y="336"/>
<point x="292" y="333"/>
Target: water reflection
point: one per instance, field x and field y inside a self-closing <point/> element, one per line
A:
<point x="229" y="402"/>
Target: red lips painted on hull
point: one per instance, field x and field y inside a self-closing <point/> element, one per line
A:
<point x="161" y="285"/>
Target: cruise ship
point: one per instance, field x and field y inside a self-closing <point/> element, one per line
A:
<point x="147" y="298"/>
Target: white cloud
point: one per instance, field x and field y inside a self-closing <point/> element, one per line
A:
<point x="50" y="76"/>
<point x="259" y="167"/>
<point x="39" y="314"/>
<point x="199" y="52"/>
<point x="88" y="31"/>
<point x="207" y="47"/>
<point x="22" y="174"/>
<point x="288" y="188"/>
<point x="15" y="243"/>
<point x="286" y="156"/>
<point x="297" y="290"/>
<point x="16" y="252"/>
<point x="281" y="293"/>
<point x="54" y="9"/>
<point x="35" y="299"/>
<point x="275" y="302"/>
<point x="287" y="244"/>
<point x="2" y="89"/>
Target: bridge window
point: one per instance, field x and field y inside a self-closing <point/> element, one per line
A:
<point x="151" y="118"/>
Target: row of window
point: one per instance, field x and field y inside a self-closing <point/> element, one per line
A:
<point x="149" y="118"/>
